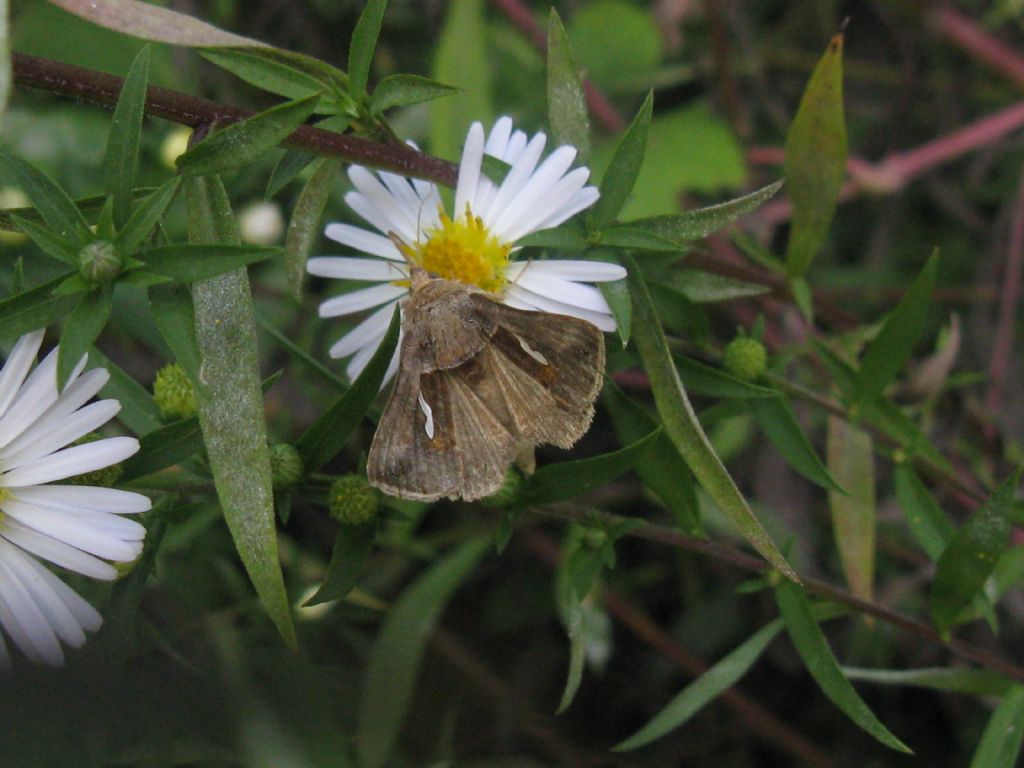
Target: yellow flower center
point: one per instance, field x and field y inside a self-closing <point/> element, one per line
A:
<point x="464" y="250"/>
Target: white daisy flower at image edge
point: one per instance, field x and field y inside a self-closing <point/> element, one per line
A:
<point x="474" y="246"/>
<point x="75" y="527"/>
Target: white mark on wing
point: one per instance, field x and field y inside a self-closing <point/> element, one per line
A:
<point x="531" y="351"/>
<point x="429" y="413"/>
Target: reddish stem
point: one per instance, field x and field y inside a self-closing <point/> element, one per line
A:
<point x="964" y="33"/>
<point x="1002" y="346"/>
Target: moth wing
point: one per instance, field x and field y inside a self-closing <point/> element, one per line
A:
<point x="436" y="438"/>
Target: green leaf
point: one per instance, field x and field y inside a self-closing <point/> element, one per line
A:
<point x="714" y="382"/>
<point x="816" y="159"/>
<point x="176" y="320"/>
<point x="406" y="90"/>
<point x="618" y="180"/>
<point x="322" y="441"/>
<point x="462" y="59"/>
<point x="396" y="656"/>
<point x="360" y="49"/>
<point x="1000" y="743"/>
<point x="304" y="227"/>
<point x="57" y="209"/>
<point x="929" y="525"/>
<point x="776" y="419"/>
<point x="851" y="460"/>
<point x="977" y="682"/>
<point x="35" y="308"/>
<point x="48" y="242"/>
<point x="682" y="228"/>
<point x="164" y="447"/>
<point x="286" y="170"/>
<point x="574" y="627"/>
<point x="564" y="238"/>
<point x="190" y="262"/>
<point x="567" y="105"/>
<point x="288" y="74"/>
<point x="663" y="470"/>
<point x="703" y="287"/>
<point x="325" y="373"/>
<point x="711" y="684"/>
<point x="889" y="350"/>
<point x="141" y="223"/>
<point x="352" y="547"/>
<point x="231" y="403"/>
<point x="616" y="293"/>
<point x="5" y="58"/>
<point x="970" y="557"/>
<point x="122" y="156"/>
<point x="82" y="328"/>
<point x="138" y="410"/>
<point x="635" y="239"/>
<point x="243" y="143"/>
<point x="568" y="479"/>
<point x="814" y="650"/>
<point x="122" y="612"/>
<point x="681" y="424"/>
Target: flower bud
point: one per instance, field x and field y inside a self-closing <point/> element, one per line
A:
<point x="99" y="263"/>
<point x="745" y="358"/>
<point x="285" y="465"/>
<point x="174" y="394"/>
<point x="352" y="500"/>
<point x="12" y="198"/>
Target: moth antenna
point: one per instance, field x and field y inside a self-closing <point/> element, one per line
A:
<point x="417" y="275"/>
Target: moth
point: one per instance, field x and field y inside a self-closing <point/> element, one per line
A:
<point x="479" y="385"/>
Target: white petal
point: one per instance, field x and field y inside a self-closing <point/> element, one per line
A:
<point x="583" y="199"/>
<point x="50" y="604"/>
<point x="361" y="359"/>
<point x="559" y="201"/>
<point x="529" y="202"/>
<point x="565" y="291"/>
<point x="401" y="190"/>
<point x="37" y="394"/>
<point x="79" y="532"/>
<point x="569" y="269"/>
<point x="46" y="436"/>
<point x="497" y="139"/>
<point x="487" y="190"/>
<point x="86" y="497"/>
<point x="358" y="203"/>
<point x="362" y="240"/>
<point x="370" y="331"/>
<point x="393" y="365"/>
<point x="530" y="299"/>
<point x="346" y="268"/>
<point x="57" y="552"/>
<point x="72" y="461"/>
<point x="17" y="366"/>
<point x="516" y="179"/>
<point x="469" y="168"/>
<point x="400" y="218"/>
<point x="21" y="617"/>
<point x="364" y="298"/>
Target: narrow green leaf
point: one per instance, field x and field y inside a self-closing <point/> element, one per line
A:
<point x="929" y="525"/>
<point x="396" y="656"/>
<point x="568" y="479"/>
<point x="138" y="410"/>
<point x="968" y="560"/>
<point x="977" y="682"/>
<point x="286" y="170"/>
<point x="141" y="223"/>
<point x="567" y="105"/>
<point x="352" y="547"/>
<point x="712" y="683"/>
<point x="190" y="262"/>
<point x="851" y="460"/>
<point x="35" y="308"/>
<point x="635" y="239"/>
<point x="288" y="74"/>
<point x="703" y="287"/>
<point x="332" y="430"/>
<point x="810" y="643"/>
<point x="663" y="470"/>
<point x="164" y="447"/>
<point x="362" y="45"/>
<point x="616" y="293"/>
<point x="406" y="90"/>
<point x="816" y="159"/>
<point x="462" y="59"/>
<point x="618" y="180"/>
<point x="1000" y="743"/>
<point x="176" y="320"/>
<point x="122" y="156"/>
<point x="574" y="627"/>
<point x="57" y="209"/>
<point x="243" y="143"/>
<point x="90" y="208"/>
<point x="47" y="240"/>
<point x="5" y="58"/>
<point x="776" y="419"/>
<point x="567" y="237"/>
<point x="682" y="228"/>
<point x="82" y="328"/>
<point x="304" y="227"/>
<point x="681" y="424"/>
<point x="231" y="402"/>
<point x="714" y="382"/>
<point x="889" y="350"/>
<point x="329" y="377"/>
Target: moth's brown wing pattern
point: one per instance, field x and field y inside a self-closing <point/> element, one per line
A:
<point x="460" y="450"/>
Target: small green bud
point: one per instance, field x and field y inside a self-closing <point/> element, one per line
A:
<point x="174" y="394"/>
<point x="104" y="477"/>
<point x="510" y="492"/>
<point x="352" y="500"/>
<point x="99" y="263"/>
<point x="285" y="465"/>
<point x="746" y="358"/>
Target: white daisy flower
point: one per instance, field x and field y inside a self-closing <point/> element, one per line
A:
<point x="474" y="246"/>
<point x="76" y="527"/>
